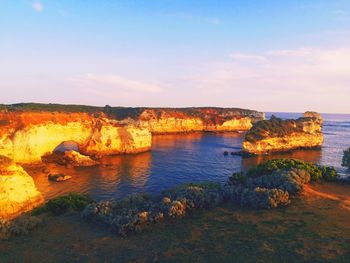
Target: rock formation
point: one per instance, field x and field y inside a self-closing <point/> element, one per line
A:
<point x="18" y="193"/>
<point x="277" y="135"/>
<point x="26" y="136"/>
<point x="160" y="121"/>
<point x="72" y="158"/>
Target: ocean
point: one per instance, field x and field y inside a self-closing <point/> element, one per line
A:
<point x="181" y="158"/>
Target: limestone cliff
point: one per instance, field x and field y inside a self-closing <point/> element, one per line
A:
<point x="26" y="136"/>
<point x="277" y="135"/>
<point x="29" y="131"/>
<point x="160" y="121"/>
<point x="18" y="193"/>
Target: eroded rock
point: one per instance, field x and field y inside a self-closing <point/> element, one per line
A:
<point x="18" y="193"/>
<point x="277" y="135"/>
<point x="59" y="177"/>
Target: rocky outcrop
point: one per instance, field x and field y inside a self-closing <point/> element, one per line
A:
<point x="277" y="135"/>
<point x="59" y="177"/>
<point x="160" y="121"/>
<point x="72" y="158"/>
<point x="18" y="193"/>
<point x="26" y="136"/>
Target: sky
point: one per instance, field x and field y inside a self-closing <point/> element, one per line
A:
<point x="267" y="55"/>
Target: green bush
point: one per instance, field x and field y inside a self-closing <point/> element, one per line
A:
<point x="316" y="172"/>
<point x="63" y="204"/>
<point x="275" y="127"/>
<point x="346" y="158"/>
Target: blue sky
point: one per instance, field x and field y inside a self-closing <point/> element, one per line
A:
<point x="265" y="55"/>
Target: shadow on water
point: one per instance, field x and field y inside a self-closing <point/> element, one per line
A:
<point x="312" y="156"/>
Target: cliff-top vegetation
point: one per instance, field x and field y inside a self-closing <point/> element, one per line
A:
<point x="275" y="127"/>
<point x="121" y="113"/>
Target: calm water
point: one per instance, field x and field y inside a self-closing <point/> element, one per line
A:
<point x="181" y="158"/>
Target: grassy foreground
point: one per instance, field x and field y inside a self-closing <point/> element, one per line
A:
<point x="314" y="228"/>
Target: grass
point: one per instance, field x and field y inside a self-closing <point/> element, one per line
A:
<point x="312" y="230"/>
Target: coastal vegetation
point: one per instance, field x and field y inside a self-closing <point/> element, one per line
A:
<point x="272" y="184"/>
<point x="278" y="135"/>
<point x="121" y="113"/>
<point x="346" y="158"/>
<point x="72" y="202"/>
<point x="269" y="185"/>
<point x="274" y="127"/>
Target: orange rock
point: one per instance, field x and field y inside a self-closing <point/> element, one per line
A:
<point x="18" y="193"/>
<point x="278" y="135"/>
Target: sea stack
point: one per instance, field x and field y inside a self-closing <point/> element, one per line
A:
<point x="277" y="135"/>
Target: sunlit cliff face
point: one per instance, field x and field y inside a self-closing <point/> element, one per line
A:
<point x="280" y="136"/>
<point x="25" y="137"/>
<point x="18" y="193"/>
<point x="210" y="119"/>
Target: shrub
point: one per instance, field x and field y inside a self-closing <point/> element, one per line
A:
<point x="346" y="158"/>
<point x="135" y="212"/>
<point x="275" y="127"/>
<point x="20" y="226"/>
<point x="63" y="204"/>
<point x="316" y="172"/>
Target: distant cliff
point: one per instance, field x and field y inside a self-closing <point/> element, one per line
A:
<point x="160" y="121"/>
<point x="277" y="135"/>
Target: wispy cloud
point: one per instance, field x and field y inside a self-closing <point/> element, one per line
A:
<point x="245" y="56"/>
<point x="38" y="7"/>
<point x="291" y="79"/>
<point x="118" y="82"/>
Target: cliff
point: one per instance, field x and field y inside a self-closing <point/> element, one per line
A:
<point x="160" y="120"/>
<point x="277" y="135"/>
<point x="26" y="136"/>
<point x="18" y="193"/>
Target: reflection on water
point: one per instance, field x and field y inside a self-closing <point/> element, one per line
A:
<point x="181" y="158"/>
<point x="313" y="156"/>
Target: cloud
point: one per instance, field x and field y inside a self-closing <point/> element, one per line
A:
<point x="38" y="7"/>
<point x="288" y="79"/>
<point x="244" y="56"/>
<point x="118" y="82"/>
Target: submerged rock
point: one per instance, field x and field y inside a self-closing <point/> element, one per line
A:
<point x="59" y="177"/>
